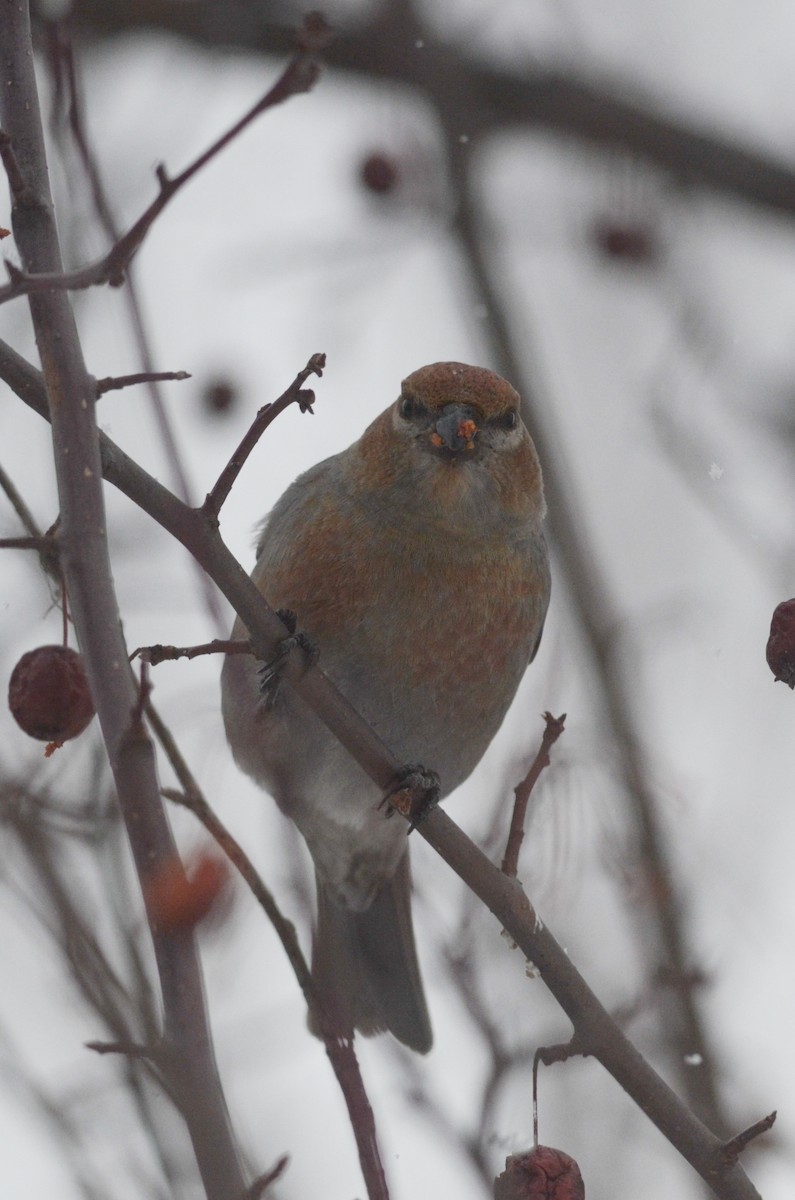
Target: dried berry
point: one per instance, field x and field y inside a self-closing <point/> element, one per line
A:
<point x="780" y="651"/>
<point x="48" y="694"/>
<point x="542" y="1173"/>
<point x="178" y="899"/>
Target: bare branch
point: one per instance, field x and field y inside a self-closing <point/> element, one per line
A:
<point x="596" y="611"/>
<point x="191" y="1066"/>
<point x="16" y="181"/>
<point x="497" y="97"/>
<point x="735" y="1146"/>
<point x="18" y="504"/>
<point x="340" y="1050"/>
<point x="64" y="65"/>
<point x="300" y="75"/>
<point x="600" y="1035"/>
<point x="261" y="1185"/>
<point x="114" y="383"/>
<point x="44" y="544"/>
<point x="128" y="1049"/>
<point x="153" y="655"/>
<point x="293" y="395"/>
<point x="552" y="731"/>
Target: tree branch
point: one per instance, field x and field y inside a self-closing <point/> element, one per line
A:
<point x="504" y="897"/>
<point x="499" y="98"/>
<point x="114" y="383"/>
<point x="340" y="1051"/>
<point x="295" y="394"/>
<point x="299" y="76"/>
<point x="596" y="611"/>
<point x="553" y="728"/>
<point x="85" y="561"/>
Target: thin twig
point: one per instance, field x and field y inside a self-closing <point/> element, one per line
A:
<point x="340" y="1050"/>
<point x="43" y="544"/>
<point x="114" y="383"/>
<point x="16" y="181"/>
<point x="153" y="655"/>
<point x="295" y="394"/>
<point x="18" y="504"/>
<point x="64" y="64"/>
<point x="735" y="1146"/>
<point x="299" y="76"/>
<point x="128" y="1049"/>
<point x="264" y="1182"/>
<point x="48" y="546"/>
<point x="499" y="97"/>
<point x="552" y="731"/>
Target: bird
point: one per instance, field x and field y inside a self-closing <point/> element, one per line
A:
<point x="416" y="565"/>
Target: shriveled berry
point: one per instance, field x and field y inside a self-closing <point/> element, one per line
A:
<point x="542" y="1173"/>
<point x="780" y="651"/>
<point x="48" y="694"/>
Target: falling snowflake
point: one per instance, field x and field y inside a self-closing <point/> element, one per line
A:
<point x="715" y="471"/>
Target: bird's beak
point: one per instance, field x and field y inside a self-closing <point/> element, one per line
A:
<point x="456" y="428"/>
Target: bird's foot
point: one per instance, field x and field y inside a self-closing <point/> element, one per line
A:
<point x="413" y="794"/>
<point x="270" y="673"/>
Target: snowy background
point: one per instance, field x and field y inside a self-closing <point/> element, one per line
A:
<point x="668" y="384"/>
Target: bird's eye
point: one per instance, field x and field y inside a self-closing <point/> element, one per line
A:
<point x="410" y="408"/>
<point x="507" y="420"/>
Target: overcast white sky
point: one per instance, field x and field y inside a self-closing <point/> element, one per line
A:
<point x="663" y="383"/>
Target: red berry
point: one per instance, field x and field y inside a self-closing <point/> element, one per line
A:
<point x="48" y="694"/>
<point x="379" y="173"/>
<point x="780" y="651"/>
<point x="542" y="1173"/>
<point x="176" y="899"/>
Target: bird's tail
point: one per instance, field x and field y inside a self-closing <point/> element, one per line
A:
<point x="365" y="967"/>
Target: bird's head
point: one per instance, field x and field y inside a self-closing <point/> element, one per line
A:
<point x="453" y="449"/>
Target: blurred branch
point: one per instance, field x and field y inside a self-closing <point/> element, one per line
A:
<point x="19" y="505"/>
<point x="47" y="543"/>
<point x="596" y="612"/>
<point x="86" y="565"/>
<point x="121" y="1002"/>
<point x="127" y="1049"/>
<point x="67" y="95"/>
<point x="299" y="76"/>
<point x="261" y="1185"/>
<point x="499" y="98"/>
<point x="504" y="897"/>
<point x="340" y="1050"/>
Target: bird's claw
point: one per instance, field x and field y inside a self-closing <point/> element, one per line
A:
<point x="270" y="673"/>
<point x="414" y="793"/>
